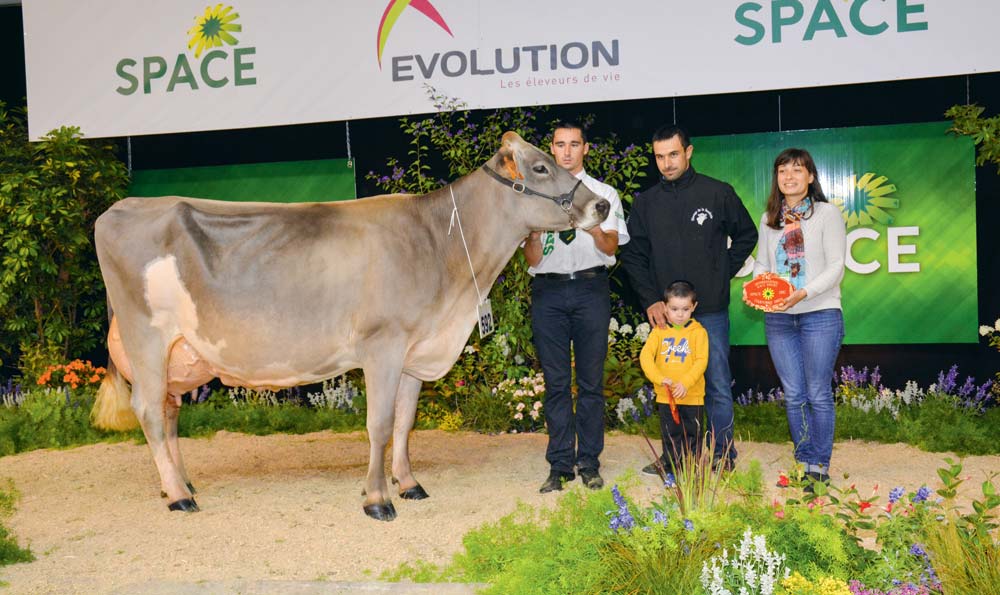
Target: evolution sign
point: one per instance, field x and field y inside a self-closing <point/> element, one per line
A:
<point x="129" y="67"/>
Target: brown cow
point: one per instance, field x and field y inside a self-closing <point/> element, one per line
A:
<point x="277" y="295"/>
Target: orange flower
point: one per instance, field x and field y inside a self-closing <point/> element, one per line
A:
<point x="95" y="379"/>
<point x="44" y="378"/>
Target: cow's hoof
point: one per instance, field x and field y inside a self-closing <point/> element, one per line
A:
<point x="415" y="493"/>
<point x="190" y="489"/>
<point x="185" y="504"/>
<point x="381" y="512"/>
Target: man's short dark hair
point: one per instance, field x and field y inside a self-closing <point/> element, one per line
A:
<point x="571" y="125"/>
<point x="670" y="131"/>
<point x="680" y="289"/>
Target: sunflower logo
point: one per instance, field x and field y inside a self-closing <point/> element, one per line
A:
<point x="867" y="201"/>
<point x="767" y="294"/>
<point x="213" y="28"/>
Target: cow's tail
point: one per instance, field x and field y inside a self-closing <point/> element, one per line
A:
<point x="113" y="406"/>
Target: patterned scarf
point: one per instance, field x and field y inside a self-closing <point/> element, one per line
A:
<point x="791" y="253"/>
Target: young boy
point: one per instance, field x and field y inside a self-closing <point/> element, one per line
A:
<point x="674" y="359"/>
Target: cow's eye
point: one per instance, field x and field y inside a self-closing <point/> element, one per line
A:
<point x="540" y="169"/>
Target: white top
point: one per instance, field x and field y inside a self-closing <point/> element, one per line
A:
<point x="581" y="253"/>
<point x="826" y="248"/>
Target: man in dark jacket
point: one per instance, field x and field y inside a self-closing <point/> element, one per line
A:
<point x="680" y="229"/>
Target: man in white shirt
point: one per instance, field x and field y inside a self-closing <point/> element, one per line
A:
<point x="571" y="304"/>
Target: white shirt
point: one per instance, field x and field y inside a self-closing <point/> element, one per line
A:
<point x="582" y="253"/>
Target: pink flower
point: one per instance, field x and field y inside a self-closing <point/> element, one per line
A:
<point x="460" y="383"/>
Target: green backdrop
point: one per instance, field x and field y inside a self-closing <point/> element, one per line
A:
<point x="911" y="178"/>
<point x="288" y="181"/>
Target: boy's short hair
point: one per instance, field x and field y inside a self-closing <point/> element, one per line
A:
<point x="680" y="289"/>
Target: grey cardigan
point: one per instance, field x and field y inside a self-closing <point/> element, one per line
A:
<point x="826" y="248"/>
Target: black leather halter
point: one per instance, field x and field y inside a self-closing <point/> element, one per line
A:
<point x="565" y="201"/>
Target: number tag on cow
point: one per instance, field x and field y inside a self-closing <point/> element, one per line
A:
<point x="485" y="318"/>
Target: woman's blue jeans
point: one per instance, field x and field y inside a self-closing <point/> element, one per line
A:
<point x="804" y="349"/>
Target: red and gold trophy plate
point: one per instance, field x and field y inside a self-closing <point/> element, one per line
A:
<point x="765" y="291"/>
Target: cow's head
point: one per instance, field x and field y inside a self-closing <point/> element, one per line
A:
<point x="550" y="198"/>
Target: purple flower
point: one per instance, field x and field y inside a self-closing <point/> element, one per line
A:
<point x="895" y="494"/>
<point x="670" y="482"/>
<point x="876" y="378"/>
<point x="622" y="519"/>
<point x="946" y="383"/>
<point x="659" y="517"/>
<point x="917" y="550"/>
<point x="688" y="525"/>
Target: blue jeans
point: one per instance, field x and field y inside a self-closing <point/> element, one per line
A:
<point x="804" y="349"/>
<point x="573" y="312"/>
<point x="719" y="384"/>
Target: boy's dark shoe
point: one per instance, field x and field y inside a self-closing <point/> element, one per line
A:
<point x="555" y="481"/>
<point x="652" y="470"/>
<point x="591" y="478"/>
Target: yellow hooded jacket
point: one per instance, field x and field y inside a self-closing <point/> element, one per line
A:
<point x="680" y="354"/>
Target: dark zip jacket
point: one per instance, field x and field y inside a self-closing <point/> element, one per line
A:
<point x="679" y="230"/>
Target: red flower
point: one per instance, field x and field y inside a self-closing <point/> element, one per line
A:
<point x="864" y="505"/>
<point x="783" y="480"/>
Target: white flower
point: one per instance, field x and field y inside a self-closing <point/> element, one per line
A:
<point x="470" y="349"/>
<point x="520" y="406"/>
<point x="518" y="416"/>
<point x="537" y="405"/>
<point x="519" y="360"/>
<point x="626" y="329"/>
<point x="996" y="324"/>
<point x="613" y="326"/>
<point x="986" y="330"/>
<point x="642" y="331"/>
<point x="534" y="414"/>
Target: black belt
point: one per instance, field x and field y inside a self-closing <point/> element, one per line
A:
<point x="584" y="274"/>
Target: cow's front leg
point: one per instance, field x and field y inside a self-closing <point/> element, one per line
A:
<point x="381" y="384"/>
<point x="406" y="411"/>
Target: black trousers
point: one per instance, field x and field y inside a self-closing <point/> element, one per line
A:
<point x="572" y="312"/>
<point x="682" y="440"/>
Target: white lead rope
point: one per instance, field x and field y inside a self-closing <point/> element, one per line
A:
<point x="455" y="217"/>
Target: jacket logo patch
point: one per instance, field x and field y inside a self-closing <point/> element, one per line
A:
<point x="701" y="215"/>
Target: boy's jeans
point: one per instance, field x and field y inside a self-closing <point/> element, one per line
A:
<point x="804" y="349"/>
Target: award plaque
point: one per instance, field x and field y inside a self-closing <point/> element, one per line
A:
<point x="765" y="291"/>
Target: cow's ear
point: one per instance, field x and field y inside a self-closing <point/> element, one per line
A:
<point x="508" y="155"/>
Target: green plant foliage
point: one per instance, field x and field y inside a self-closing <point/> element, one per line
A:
<point x="10" y="552"/>
<point x="51" y="192"/>
<point x="968" y="120"/>
<point x="49" y="418"/>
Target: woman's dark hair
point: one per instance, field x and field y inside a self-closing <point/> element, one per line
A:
<point x="680" y="289"/>
<point x="775" y="199"/>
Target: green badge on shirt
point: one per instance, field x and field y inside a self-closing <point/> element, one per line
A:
<point x="567" y="236"/>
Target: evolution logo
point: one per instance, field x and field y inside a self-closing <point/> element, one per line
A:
<point x="213" y="29"/>
<point x="457" y="63"/>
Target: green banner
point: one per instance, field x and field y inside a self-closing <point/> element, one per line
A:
<point x="288" y="181"/>
<point x="908" y="196"/>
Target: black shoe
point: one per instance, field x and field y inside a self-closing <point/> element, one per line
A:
<point x="591" y="478"/>
<point x="726" y="465"/>
<point x="652" y="469"/>
<point x="814" y="477"/>
<point x="555" y="481"/>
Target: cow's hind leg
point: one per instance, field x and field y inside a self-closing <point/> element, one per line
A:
<point x="406" y="411"/>
<point x="381" y="385"/>
<point x="148" y="401"/>
<point x="171" y="412"/>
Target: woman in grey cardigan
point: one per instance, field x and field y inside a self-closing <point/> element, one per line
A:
<point x="803" y="240"/>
